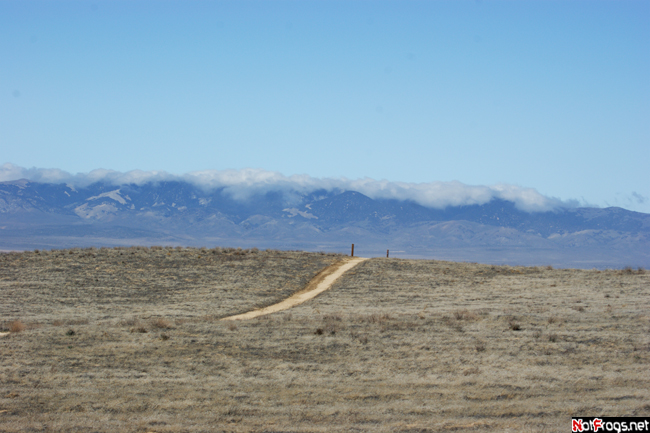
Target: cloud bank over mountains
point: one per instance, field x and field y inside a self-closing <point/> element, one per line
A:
<point x="242" y="184"/>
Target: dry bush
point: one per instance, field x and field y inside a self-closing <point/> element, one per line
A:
<point x="465" y="315"/>
<point x="333" y="323"/>
<point x="161" y="323"/>
<point x="453" y="323"/>
<point x="16" y="326"/>
<point x="514" y="324"/>
<point x="132" y="321"/>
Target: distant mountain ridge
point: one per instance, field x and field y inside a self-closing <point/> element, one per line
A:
<point x="46" y="215"/>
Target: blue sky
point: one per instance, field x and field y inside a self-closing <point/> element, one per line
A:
<point x="548" y="95"/>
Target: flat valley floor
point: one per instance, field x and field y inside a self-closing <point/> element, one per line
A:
<point x="130" y="339"/>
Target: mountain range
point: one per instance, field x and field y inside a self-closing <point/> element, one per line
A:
<point x="48" y="215"/>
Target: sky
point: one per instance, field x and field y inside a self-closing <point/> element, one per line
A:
<point x="544" y="95"/>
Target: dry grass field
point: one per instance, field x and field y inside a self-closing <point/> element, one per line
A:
<point x="130" y="340"/>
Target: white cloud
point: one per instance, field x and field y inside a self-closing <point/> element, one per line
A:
<point x="242" y="184"/>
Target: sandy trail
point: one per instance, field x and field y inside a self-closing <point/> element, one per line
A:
<point x="316" y="286"/>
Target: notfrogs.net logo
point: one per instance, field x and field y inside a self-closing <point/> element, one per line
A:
<point x="610" y="424"/>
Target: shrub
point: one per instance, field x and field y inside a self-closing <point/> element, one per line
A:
<point x="16" y="326"/>
<point x="514" y="325"/>
<point x="161" y="323"/>
<point x="129" y="322"/>
<point x="465" y="315"/>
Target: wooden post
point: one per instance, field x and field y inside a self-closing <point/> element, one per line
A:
<point x="352" y="255"/>
<point x="386" y="253"/>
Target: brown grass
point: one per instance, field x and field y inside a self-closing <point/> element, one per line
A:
<point x="403" y="346"/>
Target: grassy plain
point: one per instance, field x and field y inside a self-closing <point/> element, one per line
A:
<point x="130" y="340"/>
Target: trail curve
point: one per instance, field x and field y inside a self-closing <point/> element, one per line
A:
<point x="321" y="282"/>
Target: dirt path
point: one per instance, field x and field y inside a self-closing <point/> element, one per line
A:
<point x="317" y="285"/>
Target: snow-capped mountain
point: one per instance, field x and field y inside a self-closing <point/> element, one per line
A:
<point x="44" y="215"/>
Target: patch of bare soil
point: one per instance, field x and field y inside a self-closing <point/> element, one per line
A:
<point x="393" y="346"/>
